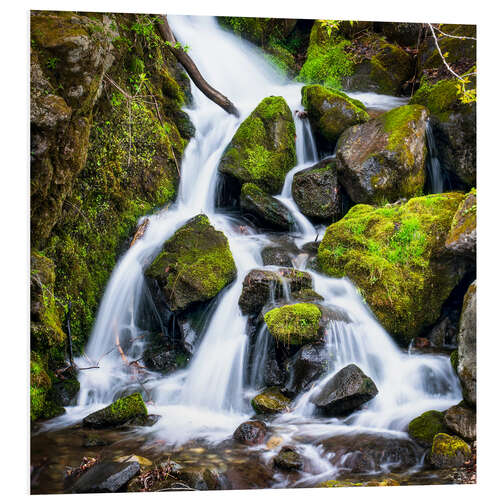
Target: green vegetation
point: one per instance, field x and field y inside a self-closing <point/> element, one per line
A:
<point x="270" y="401"/>
<point x="426" y="426"/>
<point x="121" y="411"/>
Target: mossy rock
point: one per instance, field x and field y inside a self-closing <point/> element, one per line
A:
<point x="384" y="158"/>
<point x="454" y="360"/>
<point x="118" y="413"/>
<point x="194" y="265"/>
<point x="295" y="324"/>
<point x="334" y="483"/>
<point x="263" y="149"/>
<point x="395" y="256"/>
<point x="449" y="451"/>
<point x="423" y="428"/>
<point x="461" y="240"/>
<point x="331" y="112"/>
<point x="270" y="401"/>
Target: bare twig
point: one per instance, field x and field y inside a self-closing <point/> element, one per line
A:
<point x="460" y="37"/>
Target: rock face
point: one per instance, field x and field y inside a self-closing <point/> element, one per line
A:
<point x="405" y="34"/>
<point x="164" y="361"/>
<point x="306" y="366"/>
<point x="384" y="158"/>
<point x="454" y="128"/>
<point x="263" y="149"/>
<point x="252" y="432"/>
<point x="395" y="256"/>
<point x="461" y="240"/>
<point x="317" y="192"/>
<point x="295" y="324"/>
<point x="260" y="285"/>
<point x="106" y="477"/>
<point x="345" y="392"/>
<point x="120" y="412"/>
<point x="462" y="421"/>
<point x="423" y="428"/>
<point x="276" y="256"/>
<point x="331" y="112"/>
<point x="288" y="459"/>
<point x="269" y="212"/>
<point x="270" y="401"/>
<point x="448" y="451"/>
<point x="467" y="346"/>
<point x="194" y="265"/>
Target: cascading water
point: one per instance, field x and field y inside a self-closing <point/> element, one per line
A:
<point x="209" y="398"/>
<point x="437" y="179"/>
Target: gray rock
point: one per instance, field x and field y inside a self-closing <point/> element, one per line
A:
<point x="106" y="477"/>
<point x="276" y="256"/>
<point x="306" y="366"/>
<point x="288" y="459"/>
<point x="252" y="432"/>
<point x="462" y="421"/>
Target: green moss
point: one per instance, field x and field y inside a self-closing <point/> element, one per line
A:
<point x="390" y="254"/>
<point x="426" y="426"/>
<point x="398" y="123"/>
<point x="454" y="360"/>
<point x="123" y="410"/>
<point x="294" y="324"/>
<point x="333" y="483"/>
<point x="389" y="67"/>
<point x="270" y="401"/>
<point x="438" y="98"/>
<point x="464" y="220"/>
<point x="449" y="446"/>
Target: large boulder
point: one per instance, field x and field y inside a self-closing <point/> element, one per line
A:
<point x="461" y="240"/>
<point x="449" y="451"/>
<point x="252" y="432"/>
<point x="423" y="428"/>
<point x="467" y="346"/>
<point x="270" y="401"/>
<point x="269" y="212"/>
<point x="263" y="149"/>
<point x="259" y="286"/>
<point x="276" y="256"/>
<point x="406" y="34"/>
<point x="454" y="128"/>
<point x="331" y="112"/>
<point x="317" y="192"/>
<point x="306" y="366"/>
<point x="384" y="158"/>
<point x="462" y="421"/>
<point x="288" y="459"/>
<point x="295" y="324"/>
<point x="345" y="392"/>
<point x="123" y="410"/>
<point x="395" y="256"/>
<point x="194" y="265"/>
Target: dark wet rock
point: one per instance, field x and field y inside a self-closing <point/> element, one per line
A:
<point x="268" y="212"/>
<point x="270" y="401"/>
<point x="311" y="247"/>
<point x="252" y="432"/>
<point x="150" y="420"/>
<point x="106" y="477"/>
<point x="259" y="285"/>
<point x="461" y="421"/>
<point x="65" y="391"/>
<point x="288" y="459"/>
<point x="274" y="375"/>
<point x="276" y="256"/>
<point x="251" y="474"/>
<point x="164" y="361"/>
<point x="461" y="240"/>
<point x="307" y="295"/>
<point x="449" y="451"/>
<point x="405" y="34"/>
<point x="94" y="440"/>
<point x="467" y="346"/>
<point x="306" y="366"/>
<point x="384" y="158"/>
<point x="118" y="413"/>
<point x="317" y="192"/>
<point x="215" y="480"/>
<point x="194" y="265"/>
<point x="345" y="392"/>
<point x="423" y="428"/>
<point x="443" y="332"/>
<point x="193" y="478"/>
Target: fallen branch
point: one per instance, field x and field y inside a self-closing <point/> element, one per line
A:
<point x="191" y="69"/>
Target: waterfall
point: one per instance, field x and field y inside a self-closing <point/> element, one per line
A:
<point x="209" y="399"/>
<point x="435" y="173"/>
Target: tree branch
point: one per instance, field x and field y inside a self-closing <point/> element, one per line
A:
<point x="192" y="70"/>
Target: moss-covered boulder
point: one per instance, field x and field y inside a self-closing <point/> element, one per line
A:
<point x="384" y="158"/>
<point x="466" y="366"/>
<point x="270" y="401"/>
<point x="331" y="112"/>
<point x="194" y="265"/>
<point x="423" y="428"/>
<point x="449" y="451"/>
<point x="461" y="240"/>
<point x="454" y="128"/>
<point x="316" y="191"/>
<point x="263" y="149"/>
<point x="395" y="256"/>
<point x="260" y="286"/>
<point x="267" y="211"/>
<point x="295" y="324"/>
<point x="345" y="392"/>
<point x="405" y="34"/>
<point x="288" y="459"/>
<point x="123" y="410"/>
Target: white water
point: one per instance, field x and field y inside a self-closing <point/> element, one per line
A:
<point x="434" y="170"/>
<point x="208" y="399"/>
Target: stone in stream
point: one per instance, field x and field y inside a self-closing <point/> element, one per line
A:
<point x="269" y="212"/>
<point x="306" y="366"/>
<point x="423" y="428"/>
<point x="259" y="284"/>
<point x="384" y="159"/>
<point x="288" y="459"/>
<point x="106" y="477"/>
<point x="345" y="392"/>
<point x="449" y="451"/>
<point x="270" y="401"/>
<point x="276" y="256"/>
<point x="251" y="432"/>
<point x="462" y="421"/>
<point x="120" y="412"/>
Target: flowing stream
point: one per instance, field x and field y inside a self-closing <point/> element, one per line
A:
<point x="210" y="398"/>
